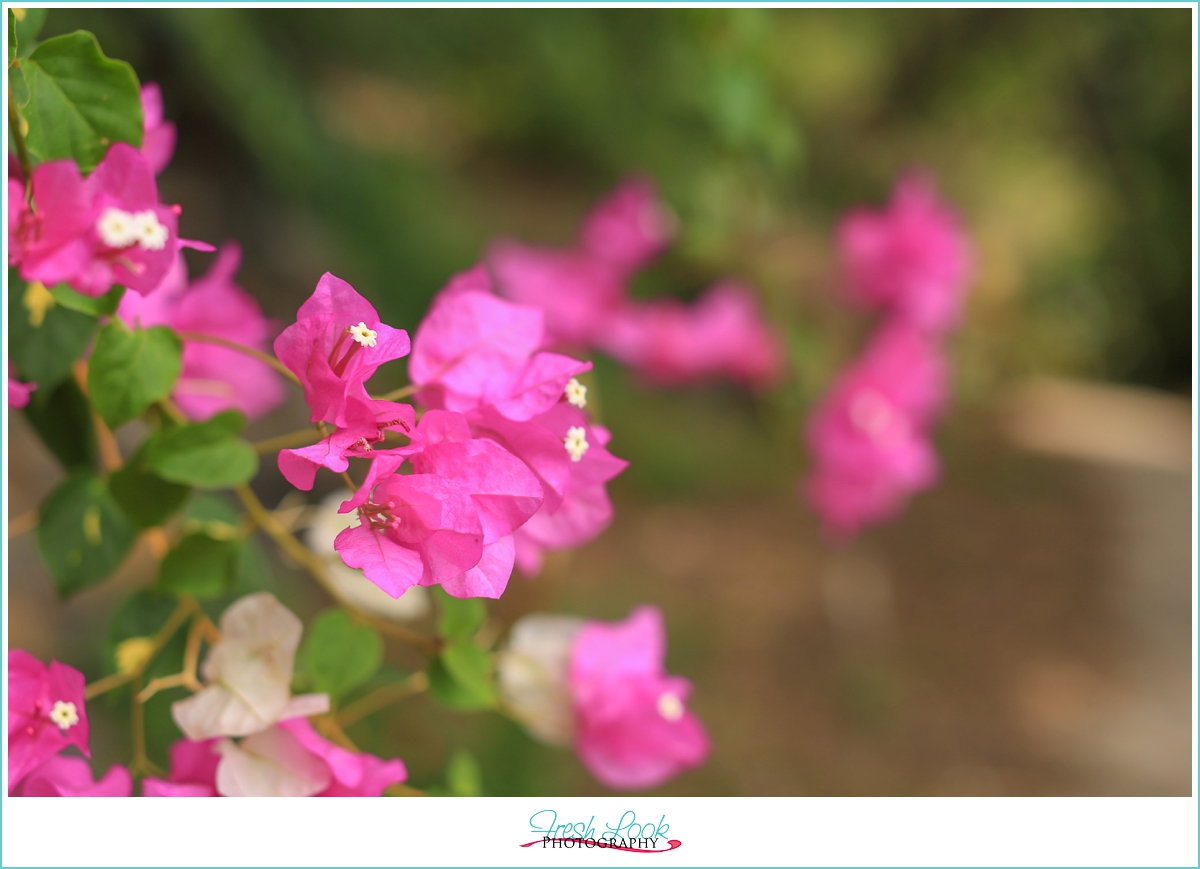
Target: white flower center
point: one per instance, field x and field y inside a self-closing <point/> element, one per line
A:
<point x="576" y="393"/>
<point x="363" y="335"/>
<point x="119" y="228"/>
<point x="152" y="234"/>
<point x="64" y="715"/>
<point x="116" y="228"/>
<point x="576" y="442"/>
<point x="670" y="706"/>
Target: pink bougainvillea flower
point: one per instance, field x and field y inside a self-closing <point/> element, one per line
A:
<point x="630" y="226"/>
<point x="474" y="349"/>
<point x="213" y="378"/>
<point x="448" y="523"/>
<point x="578" y="508"/>
<point x="193" y="771"/>
<point x="602" y="686"/>
<point x="575" y="290"/>
<point x="109" y="228"/>
<point x="335" y="345"/>
<point x="911" y="260"/>
<point x="634" y="728"/>
<point x="869" y="437"/>
<point x="367" y="421"/>
<point x="723" y="334"/>
<point x="248" y="674"/>
<point x="45" y="713"/>
<point x="578" y="288"/>
<point x="62" y="776"/>
<point x="18" y="392"/>
<point x="158" y="136"/>
<point x="353" y="774"/>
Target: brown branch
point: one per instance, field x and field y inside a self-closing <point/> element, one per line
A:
<point x="265" y="358"/>
<point x="382" y="698"/>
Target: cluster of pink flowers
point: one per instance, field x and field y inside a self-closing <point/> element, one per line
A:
<point x="111" y="228"/>
<point x="584" y="292"/>
<point x="505" y="463"/>
<point x="870" y="434"/>
<point x="602" y="687"/>
<point x="46" y="715"/>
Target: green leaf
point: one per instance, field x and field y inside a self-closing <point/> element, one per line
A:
<point x="69" y="298"/>
<point x="463" y="775"/>
<point x="130" y="370"/>
<point x="63" y="420"/>
<point x="44" y="338"/>
<point x="83" y="536"/>
<point x="23" y="27"/>
<point x="460" y="619"/>
<point x="339" y="654"/>
<point x="209" y="454"/>
<point x="214" y="516"/>
<point x="80" y="101"/>
<point x="199" y="566"/>
<point x="461" y="677"/>
<point x="145" y="497"/>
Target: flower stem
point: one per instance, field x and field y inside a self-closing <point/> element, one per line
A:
<point x="316" y="566"/>
<point x="301" y="438"/>
<point x="187" y="606"/>
<point x="381" y="698"/>
<point x="265" y="358"/>
<point x="27" y="521"/>
<point x="14" y="125"/>
<point x="402" y="392"/>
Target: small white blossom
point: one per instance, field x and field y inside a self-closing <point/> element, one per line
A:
<point x="117" y="228"/>
<point x="576" y="442"/>
<point x="363" y="335"/>
<point x="576" y="393"/>
<point x="64" y="714"/>
<point x="151" y="234"/>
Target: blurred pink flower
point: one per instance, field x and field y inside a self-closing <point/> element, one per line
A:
<point x="335" y="345"/>
<point x="18" y="392"/>
<point x="911" y="260"/>
<point x="193" y="771"/>
<point x="473" y="349"/>
<point x="869" y="435"/>
<point x="158" y="137"/>
<point x="634" y="728"/>
<point x="92" y="233"/>
<point x="62" y="776"/>
<point x="578" y="288"/>
<point x="213" y="378"/>
<point x="723" y="333"/>
<point x="602" y="686"/>
<point x="45" y="713"/>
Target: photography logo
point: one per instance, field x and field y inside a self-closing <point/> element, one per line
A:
<point x="627" y="834"/>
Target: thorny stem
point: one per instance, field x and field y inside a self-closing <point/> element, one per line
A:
<point x="187" y="606"/>
<point x="316" y="566"/>
<point x="381" y="698"/>
<point x="266" y="358"/>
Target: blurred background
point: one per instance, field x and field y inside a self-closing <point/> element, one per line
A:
<point x="1023" y="629"/>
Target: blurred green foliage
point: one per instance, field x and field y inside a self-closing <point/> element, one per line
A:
<point x="389" y="145"/>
